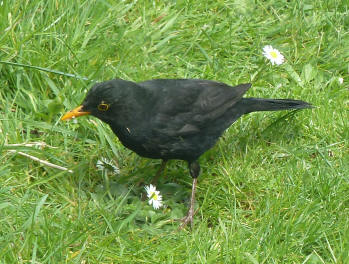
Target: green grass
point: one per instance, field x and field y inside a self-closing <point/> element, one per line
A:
<point x="275" y="189"/>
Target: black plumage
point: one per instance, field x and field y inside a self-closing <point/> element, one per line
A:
<point x="173" y="118"/>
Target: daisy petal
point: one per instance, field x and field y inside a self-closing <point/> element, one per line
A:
<point x="108" y="165"/>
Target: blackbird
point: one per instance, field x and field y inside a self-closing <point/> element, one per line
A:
<point x="173" y="118"/>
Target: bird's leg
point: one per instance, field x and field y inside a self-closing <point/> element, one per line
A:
<point x="159" y="172"/>
<point x="194" y="169"/>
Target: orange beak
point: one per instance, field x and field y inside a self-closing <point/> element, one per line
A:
<point x="75" y="113"/>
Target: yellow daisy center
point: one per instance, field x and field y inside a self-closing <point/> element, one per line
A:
<point x="154" y="196"/>
<point x="273" y="54"/>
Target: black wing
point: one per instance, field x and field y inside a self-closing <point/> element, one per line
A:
<point x="184" y="107"/>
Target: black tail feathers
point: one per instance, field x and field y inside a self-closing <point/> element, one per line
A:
<point x="261" y="104"/>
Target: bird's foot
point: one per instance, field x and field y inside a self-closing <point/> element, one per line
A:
<point x="189" y="218"/>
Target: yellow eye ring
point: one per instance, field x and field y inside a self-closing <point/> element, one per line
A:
<point x="103" y="107"/>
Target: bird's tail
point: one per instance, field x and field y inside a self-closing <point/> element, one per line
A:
<point x="261" y="104"/>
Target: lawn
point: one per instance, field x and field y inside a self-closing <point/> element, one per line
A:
<point x="274" y="189"/>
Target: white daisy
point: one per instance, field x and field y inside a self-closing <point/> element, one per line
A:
<point x="154" y="196"/>
<point x="340" y="80"/>
<point x="273" y="55"/>
<point x="104" y="164"/>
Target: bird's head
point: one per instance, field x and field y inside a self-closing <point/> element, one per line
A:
<point x="104" y="100"/>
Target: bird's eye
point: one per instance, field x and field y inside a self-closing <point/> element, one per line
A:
<point x="103" y="106"/>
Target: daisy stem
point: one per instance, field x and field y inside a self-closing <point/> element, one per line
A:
<point x="107" y="183"/>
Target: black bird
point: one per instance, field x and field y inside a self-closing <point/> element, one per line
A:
<point x="173" y="118"/>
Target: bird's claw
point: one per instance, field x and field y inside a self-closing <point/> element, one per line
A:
<point x="189" y="218"/>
